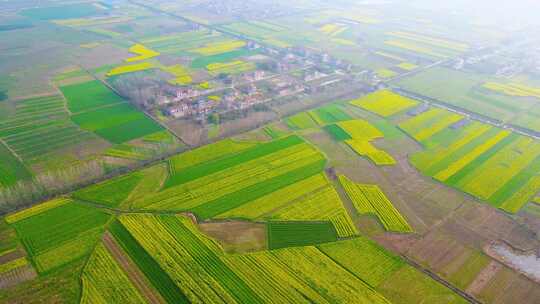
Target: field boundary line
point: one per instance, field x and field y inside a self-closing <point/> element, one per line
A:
<point x="134" y="274"/>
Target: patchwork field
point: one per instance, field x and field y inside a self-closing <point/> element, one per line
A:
<point x="469" y="91"/>
<point x="117" y="123"/>
<point x="491" y="164"/>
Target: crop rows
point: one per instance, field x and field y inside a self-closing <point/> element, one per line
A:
<point x="205" y="274"/>
<point x="68" y="251"/>
<point x="425" y="125"/>
<point x="219" y="47"/>
<point x="271" y="280"/>
<point x="324" y="204"/>
<point x="328" y="278"/>
<point x="47" y="235"/>
<point x="254" y="152"/>
<point x="499" y="169"/>
<point x="240" y="197"/>
<point x="364" y="258"/>
<point x="250" y="175"/>
<point x="360" y="129"/>
<point x="104" y="281"/>
<point x="301" y="121"/>
<point x="35" y="210"/>
<point x="471" y="156"/>
<point x="513" y="89"/>
<point x="190" y="259"/>
<point x="159" y="279"/>
<point x="127" y="152"/>
<point x="365" y="148"/>
<point x="292" y="234"/>
<point x="275" y="200"/>
<point x="384" y="103"/>
<point x="415" y="47"/>
<point x="328" y="114"/>
<point x="13" y="264"/>
<point x="207" y="153"/>
<point x="437" y="42"/>
<point x="111" y="192"/>
<point x="438" y="157"/>
<point x="233" y="67"/>
<point x="370" y="199"/>
<point x="131" y="68"/>
<point x="46" y="138"/>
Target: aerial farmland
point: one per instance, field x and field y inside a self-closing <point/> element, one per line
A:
<point x="269" y="152"/>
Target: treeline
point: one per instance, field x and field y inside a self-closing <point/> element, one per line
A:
<point x="51" y="184"/>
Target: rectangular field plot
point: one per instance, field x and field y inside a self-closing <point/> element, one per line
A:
<point x="117" y="123"/>
<point x="384" y="103"/>
<point x="369" y="199"/>
<point x="292" y="234"/>
<point x="58" y="233"/>
<point x="329" y="114"/>
<point x="40" y="126"/>
<point x="214" y="187"/>
<point x="301" y="121"/>
<point x="404" y="286"/>
<point x="422" y="126"/>
<point x="89" y="95"/>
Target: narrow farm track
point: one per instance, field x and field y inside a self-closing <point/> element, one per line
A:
<point x="133" y="273"/>
<point x="2" y="142"/>
<point x="437" y="278"/>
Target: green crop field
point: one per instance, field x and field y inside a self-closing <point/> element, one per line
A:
<point x="291" y="234"/>
<point x="89" y="95"/>
<point x="117" y="123"/>
<point x="337" y="133"/>
<point x="359" y="152"/>
<point x="12" y="169"/>
<point x="485" y="161"/>
<point x="329" y="114"/>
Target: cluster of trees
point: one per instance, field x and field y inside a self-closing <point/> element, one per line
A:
<point x="47" y="185"/>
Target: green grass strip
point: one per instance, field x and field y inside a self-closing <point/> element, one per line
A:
<point x="238" y="198"/>
<point x="151" y="269"/>
<point x="293" y="234"/>
<point x="456" y="178"/>
<point x="337" y="132"/>
<point x="207" y="168"/>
